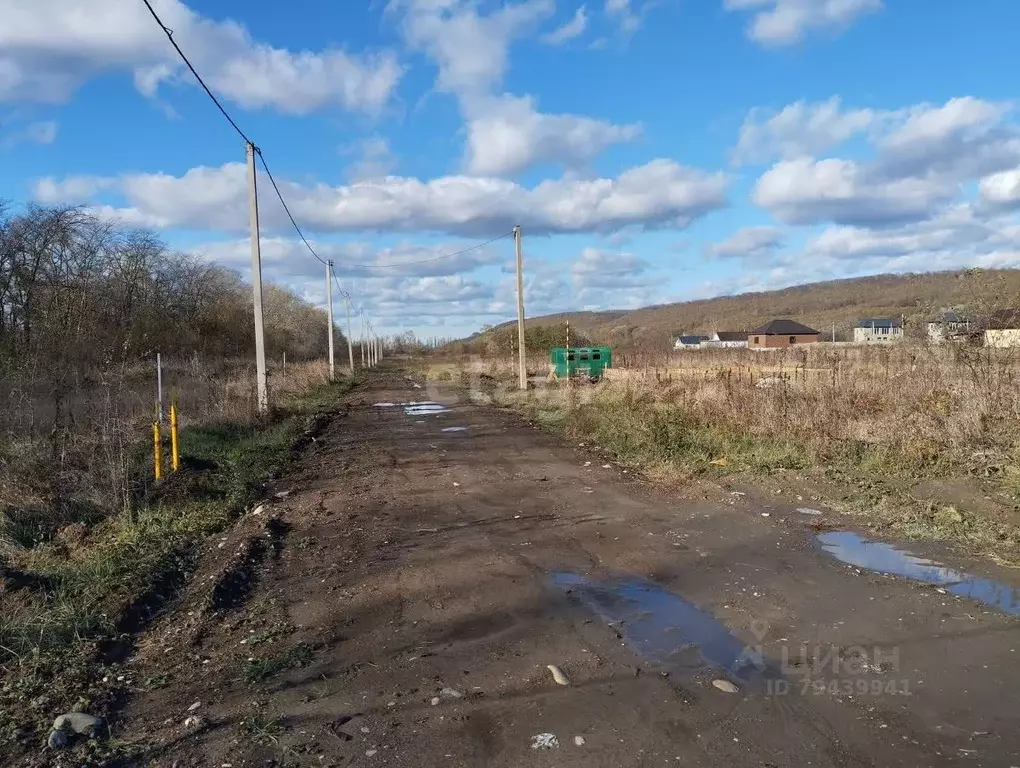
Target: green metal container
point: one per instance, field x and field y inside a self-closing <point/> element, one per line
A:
<point x="585" y="362"/>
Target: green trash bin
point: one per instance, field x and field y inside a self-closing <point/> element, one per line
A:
<point x="583" y="362"/>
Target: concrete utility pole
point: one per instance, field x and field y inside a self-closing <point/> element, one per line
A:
<point x="329" y="311"/>
<point x="522" y="355"/>
<point x="261" y="383"/>
<point x="362" y="345"/>
<point x="350" y="333"/>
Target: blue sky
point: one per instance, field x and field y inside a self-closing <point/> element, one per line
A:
<point x="652" y="150"/>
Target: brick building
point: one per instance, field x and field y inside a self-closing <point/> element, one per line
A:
<point x="781" y="333"/>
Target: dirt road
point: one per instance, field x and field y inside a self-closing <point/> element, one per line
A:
<point x="404" y="600"/>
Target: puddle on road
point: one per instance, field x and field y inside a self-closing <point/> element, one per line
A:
<point x="423" y="408"/>
<point x="455" y="429"/>
<point x="851" y="548"/>
<point x="664" y="627"/>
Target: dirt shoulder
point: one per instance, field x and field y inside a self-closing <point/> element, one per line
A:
<point x="400" y="603"/>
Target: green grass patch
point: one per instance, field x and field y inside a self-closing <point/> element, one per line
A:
<point x="260" y="670"/>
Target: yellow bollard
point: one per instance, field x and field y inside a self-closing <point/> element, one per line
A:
<point x="175" y="454"/>
<point x="157" y="451"/>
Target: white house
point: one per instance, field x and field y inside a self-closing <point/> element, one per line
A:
<point x="689" y="342"/>
<point x="727" y="339"/>
<point x="1003" y="330"/>
<point x="878" y="330"/>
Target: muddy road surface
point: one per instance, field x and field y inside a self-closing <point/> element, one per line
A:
<point x="401" y="600"/>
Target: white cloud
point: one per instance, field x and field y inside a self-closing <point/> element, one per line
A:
<point x="628" y="20"/>
<point x="924" y="158"/>
<point x="965" y="137"/>
<point x="749" y="242"/>
<point x="659" y="194"/>
<point x="599" y="269"/>
<point x="784" y="22"/>
<point x="800" y="129"/>
<point x="71" y="190"/>
<point x="805" y="191"/>
<point x="471" y="50"/>
<point x="572" y="29"/>
<point x="1001" y="189"/>
<point x="509" y="134"/>
<point x="48" y="48"/>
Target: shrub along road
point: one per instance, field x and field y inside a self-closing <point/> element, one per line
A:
<point x="400" y="600"/>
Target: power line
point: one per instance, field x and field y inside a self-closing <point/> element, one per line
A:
<point x="170" y="36"/>
<point x="285" y="208"/>
<point x="427" y="261"/>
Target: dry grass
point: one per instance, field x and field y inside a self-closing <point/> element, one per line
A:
<point x="874" y="420"/>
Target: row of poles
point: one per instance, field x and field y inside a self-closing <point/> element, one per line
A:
<point x="371" y="344"/>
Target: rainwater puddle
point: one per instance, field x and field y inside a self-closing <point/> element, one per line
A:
<point x="424" y="409"/>
<point x="455" y="429"/>
<point x="849" y="547"/>
<point x="664" y="627"/>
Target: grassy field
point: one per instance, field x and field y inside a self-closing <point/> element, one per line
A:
<point x="73" y="587"/>
<point x="878" y="421"/>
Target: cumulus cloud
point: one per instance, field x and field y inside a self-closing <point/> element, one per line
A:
<point x="507" y="135"/>
<point x="749" y="242"/>
<point x="964" y="138"/>
<point x="924" y="156"/>
<point x="807" y="191"/>
<point x="659" y="194"/>
<point x="471" y="50"/>
<point x="784" y="22"/>
<point x="572" y="29"/>
<point x="1001" y="189"/>
<point x="799" y="129"/>
<point x="49" y="48"/>
<point x="603" y="270"/>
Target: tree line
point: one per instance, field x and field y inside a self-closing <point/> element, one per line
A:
<point x="79" y="293"/>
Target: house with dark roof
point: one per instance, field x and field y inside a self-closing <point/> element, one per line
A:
<point x="689" y="342"/>
<point x="878" y="330"/>
<point x="949" y="326"/>
<point x="1003" y="329"/>
<point x="777" y="334"/>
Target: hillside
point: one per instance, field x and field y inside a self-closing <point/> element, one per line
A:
<point x="820" y="305"/>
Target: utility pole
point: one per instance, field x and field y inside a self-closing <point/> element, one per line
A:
<point x="329" y="311"/>
<point x="261" y="384"/>
<point x="362" y="345"/>
<point x="833" y="333"/>
<point x="350" y="332"/>
<point x="523" y="369"/>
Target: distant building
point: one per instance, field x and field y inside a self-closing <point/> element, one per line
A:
<point x="689" y="342"/>
<point x="726" y="339"/>
<point x="949" y="326"/>
<point x="1003" y="329"/>
<point x="777" y="334"/>
<point x="878" y="330"/>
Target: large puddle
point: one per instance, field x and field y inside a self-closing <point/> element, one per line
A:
<point x="664" y="627"/>
<point x="854" y="549"/>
